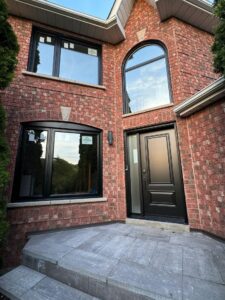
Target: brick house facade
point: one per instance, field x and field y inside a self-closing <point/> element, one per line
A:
<point x="200" y="136"/>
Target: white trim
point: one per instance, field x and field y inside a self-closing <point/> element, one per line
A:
<point x="147" y="110"/>
<point x="55" y="202"/>
<point x="27" y="73"/>
<point x="205" y="97"/>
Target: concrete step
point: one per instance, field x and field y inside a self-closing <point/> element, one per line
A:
<point x="104" y="262"/>
<point x="24" y="283"/>
<point x="175" y="227"/>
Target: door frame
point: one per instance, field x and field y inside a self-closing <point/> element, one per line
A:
<point x="171" y="125"/>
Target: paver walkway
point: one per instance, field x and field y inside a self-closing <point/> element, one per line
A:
<point x="132" y="262"/>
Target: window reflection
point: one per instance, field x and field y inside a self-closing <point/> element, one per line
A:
<point x="74" y="167"/>
<point x="146" y="79"/>
<point x="33" y="163"/>
<point x="43" y="61"/>
<point x="79" y="63"/>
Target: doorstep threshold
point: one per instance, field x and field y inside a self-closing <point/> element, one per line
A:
<point x="160" y="225"/>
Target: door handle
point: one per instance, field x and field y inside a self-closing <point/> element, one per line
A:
<point x="143" y="171"/>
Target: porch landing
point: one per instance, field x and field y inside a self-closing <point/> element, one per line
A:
<point x="123" y="261"/>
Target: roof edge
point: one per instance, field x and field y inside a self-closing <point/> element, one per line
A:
<point x="212" y="93"/>
<point x="109" y="30"/>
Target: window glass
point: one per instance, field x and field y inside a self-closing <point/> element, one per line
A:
<point x="68" y="59"/>
<point x="146" y="79"/>
<point x="74" y="164"/>
<point x="147" y="86"/>
<point x="44" y="54"/>
<point x="55" y="162"/>
<point x="33" y="163"/>
<point x="79" y="63"/>
<point x="144" y="54"/>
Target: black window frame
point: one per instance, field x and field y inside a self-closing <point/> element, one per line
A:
<point x="133" y="51"/>
<point x="59" y="37"/>
<point x="51" y="127"/>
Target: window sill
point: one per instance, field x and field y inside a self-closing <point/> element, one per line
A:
<point x="55" y="202"/>
<point x="101" y="87"/>
<point x="147" y="110"/>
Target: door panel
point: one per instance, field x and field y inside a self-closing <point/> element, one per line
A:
<point x="161" y="175"/>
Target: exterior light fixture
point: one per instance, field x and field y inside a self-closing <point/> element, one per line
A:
<point x="110" y="137"/>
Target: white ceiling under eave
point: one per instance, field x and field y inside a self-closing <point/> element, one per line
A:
<point x="198" y="13"/>
<point x="195" y="12"/>
<point x="43" y="12"/>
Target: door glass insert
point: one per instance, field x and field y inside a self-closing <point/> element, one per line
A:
<point x="134" y="174"/>
<point x="74" y="166"/>
<point x="159" y="160"/>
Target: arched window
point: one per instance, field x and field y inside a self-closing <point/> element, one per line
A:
<point x="146" y="79"/>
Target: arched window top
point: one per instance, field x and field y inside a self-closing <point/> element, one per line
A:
<point x="144" y="54"/>
<point x="146" y="79"/>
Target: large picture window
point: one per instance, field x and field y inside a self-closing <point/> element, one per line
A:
<point x="146" y="79"/>
<point x="58" y="160"/>
<point x="65" y="58"/>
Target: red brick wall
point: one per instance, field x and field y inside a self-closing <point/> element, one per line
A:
<point x="207" y="139"/>
<point x="30" y="98"/>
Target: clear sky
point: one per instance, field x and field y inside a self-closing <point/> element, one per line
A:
<point x="96" y="8"/>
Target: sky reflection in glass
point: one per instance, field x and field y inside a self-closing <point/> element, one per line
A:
<point x="147" y="86"/>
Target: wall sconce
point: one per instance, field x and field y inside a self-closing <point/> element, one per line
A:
<point x="110" y="137"/>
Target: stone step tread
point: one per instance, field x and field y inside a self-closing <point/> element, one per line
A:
<point x="23" y="283"/>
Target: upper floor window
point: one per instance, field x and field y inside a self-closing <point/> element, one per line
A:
<point x="146" y="79"/>
<point x="58" y="56"/>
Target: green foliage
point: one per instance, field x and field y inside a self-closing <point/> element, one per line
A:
<point x="8" y="48"/>
<point x="8" y="59"/>
<point x="4" y="160"/>
<point x="218" y="47"/>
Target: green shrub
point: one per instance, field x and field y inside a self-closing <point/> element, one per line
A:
<point x="8" y="59"/>
<point x="218" y="47"/>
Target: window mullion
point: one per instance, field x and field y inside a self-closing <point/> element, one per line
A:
<point x="57" y="53"/>
<point x="48" y="169"/>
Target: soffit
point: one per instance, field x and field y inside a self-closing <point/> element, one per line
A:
<point x="53" y="15"/>
<point x="195" y="12"/>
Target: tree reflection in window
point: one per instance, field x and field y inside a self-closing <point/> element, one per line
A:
<point x="57" y="159"/>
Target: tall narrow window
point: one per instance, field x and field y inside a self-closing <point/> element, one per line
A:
<point x="56" y="160"/>
<point x="146" y="79"/>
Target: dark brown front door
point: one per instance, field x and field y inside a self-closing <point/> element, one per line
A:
<point x="161" y="175"/>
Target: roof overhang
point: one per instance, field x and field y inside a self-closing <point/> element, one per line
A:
<point x="41" y="11"/>
<point x="207" y="96"/>
<point x="195" y="12"/>
<point x="198" y="13"/>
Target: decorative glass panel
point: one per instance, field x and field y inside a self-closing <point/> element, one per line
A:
<point x="33" y="163"/>
<point x="74" y="166"/>
<point x="159" y="160"/>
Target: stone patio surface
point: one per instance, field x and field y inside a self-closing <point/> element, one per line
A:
<point x="162" y="263"/>
<point x="155" y="263"/>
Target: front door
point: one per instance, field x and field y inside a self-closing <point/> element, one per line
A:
<point x="160" y="181"/>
